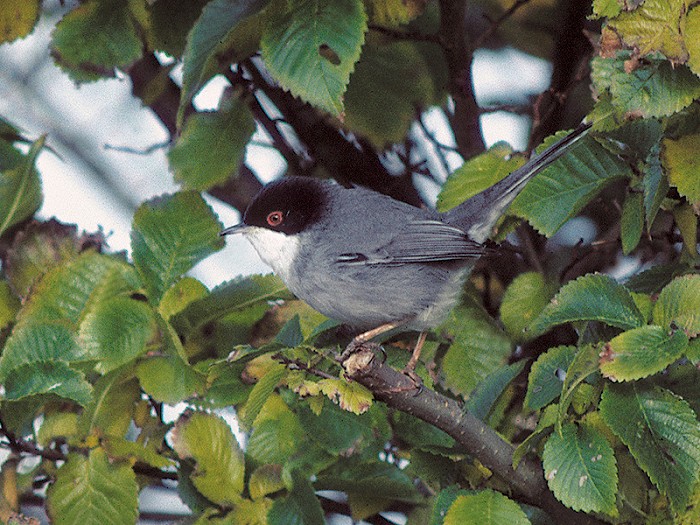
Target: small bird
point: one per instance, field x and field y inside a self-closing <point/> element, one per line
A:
<point x="370" y="261"/>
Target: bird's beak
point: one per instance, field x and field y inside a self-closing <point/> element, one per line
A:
<point x="233" y="230"/>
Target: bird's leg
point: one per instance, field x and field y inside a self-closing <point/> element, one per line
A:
<point x="364" y="337"/>
<point x="410" y="367"/>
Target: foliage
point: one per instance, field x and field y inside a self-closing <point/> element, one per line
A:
<point x="589" y="381"/>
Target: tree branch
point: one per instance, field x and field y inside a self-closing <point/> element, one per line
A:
<point x="398" y="391"/>
<point x="465" y="119"/>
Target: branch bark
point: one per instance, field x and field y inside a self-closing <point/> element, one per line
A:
<point x="398" y="391"/>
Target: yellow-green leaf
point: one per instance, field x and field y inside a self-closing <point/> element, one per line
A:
<point x="680" y="158"/>
<point x="678" y="305"/>
<point x="18" y="18"/>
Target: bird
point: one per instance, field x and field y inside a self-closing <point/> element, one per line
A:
<point x="372" y="262"/>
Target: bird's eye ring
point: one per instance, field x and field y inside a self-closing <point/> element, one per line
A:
<point x="275" y="218"/>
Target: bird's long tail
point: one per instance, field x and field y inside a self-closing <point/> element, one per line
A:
<point x="478" y="215"/>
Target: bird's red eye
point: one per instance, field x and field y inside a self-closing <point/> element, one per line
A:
<point x="275" y="218"/>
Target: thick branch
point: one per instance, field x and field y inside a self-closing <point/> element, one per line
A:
<point x="465" y="119"/>
<point x="398" y="391"/>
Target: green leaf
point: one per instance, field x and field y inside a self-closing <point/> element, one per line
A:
<point x="678" y="305"/>
<point x="394" y="12"/>
<point x="580" y="468"/>
<point x="370" y="479"/>
<point x="641" y="352"/>
<point x="170" y="235"/>
<point x="483" y="398"/>
<point x="389" y="82"/>
<point x="18" y="18"/>
<point x="275" y="441"/>
<point x="662" y="433"/>
<point x="110" y="28"/>
<point x="168" y="33"/>
<point x="20" y="190"/>
<point x="226" y="28"/>
<point x="337" y="431"/>
<point x="548" y="418"/>
<point x="592" y="297"/>
<point x="523" y="301"/>
<point x="687" y="222"/>
<point x="232" y="296"/>
<point x="485" y="508"/>
<point x="39" y="343"/>
<point x="93" y="490"/>
<point x="57" y="425"/>
<point x="654" y="87"/>
<point x="655" y="184"/>
<point x="54" y="377"/>
<point x="260" y="393"/>
<point x="680" y="161"/>
<point x="212" y="144"/>
<point x="111" y="408"/>
<point x="299" y="507"/>
<point x="180" y="295"/>
<point x="117" y="331"/>
<point x="654" y="26"/>
<point x="632" y="222"/>
<point x="546" y="377"/>
<point x="220" y="469"/>
<point x="478" y="348"/>
<point x="560" y="191"/>
<point x="691" y="30"/>
<point x="311" y="48"/>
<point x="168" y="379"/>
<point x="477" y="174"/>
<point x="651" y="281"/>
<point x="584" y="365"/>
<point x="9" y="305"/>
<point x="266" y="479"/>
<point x="606" y="8"/>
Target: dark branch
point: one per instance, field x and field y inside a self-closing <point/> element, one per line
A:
<point x="397" y="390"/>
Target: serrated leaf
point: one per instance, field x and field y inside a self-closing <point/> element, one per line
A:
<point x="632" y="222"/>
<point x="641" y="352"/>
<point x="654" y="26"/>
<point x="276" y="440"/>
<point x="57" y="425"/>
<point x="220" y="466"/>
<point x="654" y="88"/>
<point x="54" y="377"/>
<point x="336" y="431"/>
<point x="561" y="190"/>
<point x="662" y="433"/>
<point x="170" y="235"/>
<point x="117" y="447"/>
<point x="678" y="305"/>
<point x="477" y="174"/>
<point x="110" y="28"/>
<point x="20" y="189"/>
<point x="651" y="281"/>
<point x="478" y="348"/>
<point x="212" y="144"/>
<point x="485" y="508"/>
<point x="299" y="507"/>
<point x="546" y="377"/>
<point x="93" y="491"/>
<point x="389" y="82"/>
<point x="548" y="418"/>
<point x="260" y="393"/>
<point x="524" y="299"/>
<point x="18" y="18"/>
<point x="117" y="331"/>
<point x="592" y="297"/>
<point x="681" y="163"/>
<point x="580" y="468"/>
<point x="311" y="48"/>
<point x="348" y="395"/>
<point x="226" y="28"/>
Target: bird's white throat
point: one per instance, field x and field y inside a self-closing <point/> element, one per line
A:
<point x="276" y="249"/>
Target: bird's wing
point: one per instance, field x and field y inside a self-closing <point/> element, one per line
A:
<point x="419" y="242"/>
